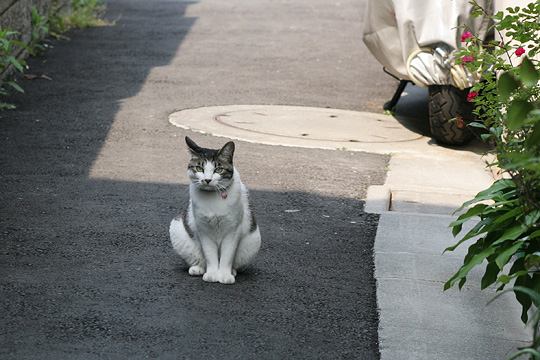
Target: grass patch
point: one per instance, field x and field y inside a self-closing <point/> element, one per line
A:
<point x="84" y="13"/>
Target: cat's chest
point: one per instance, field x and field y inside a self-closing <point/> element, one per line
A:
<point x="216" y="214"/>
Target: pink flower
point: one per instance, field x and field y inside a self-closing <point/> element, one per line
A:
<point x="471" y="95"/>
<point x="519" y="51"/>
<point x="467" y="59"/>
<point x="466" y="35"/>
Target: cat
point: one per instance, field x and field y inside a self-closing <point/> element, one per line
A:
<point x="217" y="235"/>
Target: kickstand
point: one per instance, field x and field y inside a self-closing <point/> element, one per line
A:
<point x="391" y="105"/>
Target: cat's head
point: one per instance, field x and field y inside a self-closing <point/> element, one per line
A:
<point x="211" y="170"/>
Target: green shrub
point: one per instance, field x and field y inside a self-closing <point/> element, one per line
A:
<point x="8" y="47"/>
<point x="40" y="29"/>
<point x="507" y="104"/>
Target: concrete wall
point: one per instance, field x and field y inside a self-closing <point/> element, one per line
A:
<point x="16" y="14"/>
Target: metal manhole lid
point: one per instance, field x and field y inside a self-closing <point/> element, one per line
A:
<point x="298" y="122"/>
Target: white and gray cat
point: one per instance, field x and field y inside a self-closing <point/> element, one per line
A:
<point x="217" y="235"/>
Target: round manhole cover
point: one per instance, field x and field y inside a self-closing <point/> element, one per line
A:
<point x="298" y="122"/>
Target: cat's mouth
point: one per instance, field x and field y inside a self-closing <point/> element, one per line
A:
<point x="210" y="188"/>
<point x="206" y="187"/>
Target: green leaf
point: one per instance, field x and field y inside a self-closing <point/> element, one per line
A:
<point x="532" y="260"/>
<point x="506" y="254"/>
<point x="478" y="229"/>
<point x="490" y="276"/>
<point x="511" y="234"/>
<point x="16" y="63"/>
<point x="473" y="249"/>
<point x="523" y="296"/>
<point x="535" y="114"/>
<point x="464" y="270"/>
<point x="505" y="279"/>
<point x="533" y="295"/>
<point x="535" y="283"/>
<point x="472" y="212"/>
<point x="534" y="137"/>
<point x="488" y="194"/>
<point x="530" y="351"/>
<point x="6" y="106"/>
<point x="456" y="229"/>
<point x="485" y="137"/>
<point x="532" y="217"/>
<point x="15" y="86"/>
<point x="462" y="282"/>
<point x="528" y="73"/>
<point x="517" y="266"/>
<point x="519" y="273"/>
<point x="506" y="86"/>
<point x="509" y="215"/>
<point x="477" y="124"/>
<point x="517" y="113"/>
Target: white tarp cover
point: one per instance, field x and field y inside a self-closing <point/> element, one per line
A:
<point x="414" y="39"/>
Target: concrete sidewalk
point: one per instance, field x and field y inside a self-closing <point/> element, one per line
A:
<point x="417" y="320"/>
<point x="424" y="185"/>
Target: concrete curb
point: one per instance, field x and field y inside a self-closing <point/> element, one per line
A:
<point x="417" y="320"/>
<point x="378" y="199"/>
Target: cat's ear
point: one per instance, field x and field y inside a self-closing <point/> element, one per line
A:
<point x="227" y="151"/>
<point x="193" y="148"/>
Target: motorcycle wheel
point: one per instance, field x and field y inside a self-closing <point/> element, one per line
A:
<point x="449" y="114"/>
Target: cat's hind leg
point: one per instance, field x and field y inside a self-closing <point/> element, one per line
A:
<point x="248" y="247"/>
<point x="188" y="248"/>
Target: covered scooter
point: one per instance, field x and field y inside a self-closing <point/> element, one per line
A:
<point x="415" y="41"/>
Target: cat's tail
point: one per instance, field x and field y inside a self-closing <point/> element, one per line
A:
<point x="184" y="244"/>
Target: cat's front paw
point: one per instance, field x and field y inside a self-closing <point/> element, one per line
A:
<point x="226" y="278"/>
<point x="211" y="276"/>
<point x="196" y="270"/>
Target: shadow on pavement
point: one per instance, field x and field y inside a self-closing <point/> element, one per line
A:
<point x="103" y="281"/>
<point x="412" y="110"/>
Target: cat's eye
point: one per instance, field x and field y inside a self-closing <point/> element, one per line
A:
<point x="218" y="169"/>
<point x="199" y="169"/>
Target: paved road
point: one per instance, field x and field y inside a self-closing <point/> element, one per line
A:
<point x="91" y="174"/>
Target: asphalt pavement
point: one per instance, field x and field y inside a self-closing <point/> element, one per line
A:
<point x="92" y="173"/>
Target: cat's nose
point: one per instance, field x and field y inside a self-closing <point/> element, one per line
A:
<point x="207" y="180"/>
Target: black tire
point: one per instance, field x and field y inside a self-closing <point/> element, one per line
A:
<point x="449" y="114"/>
